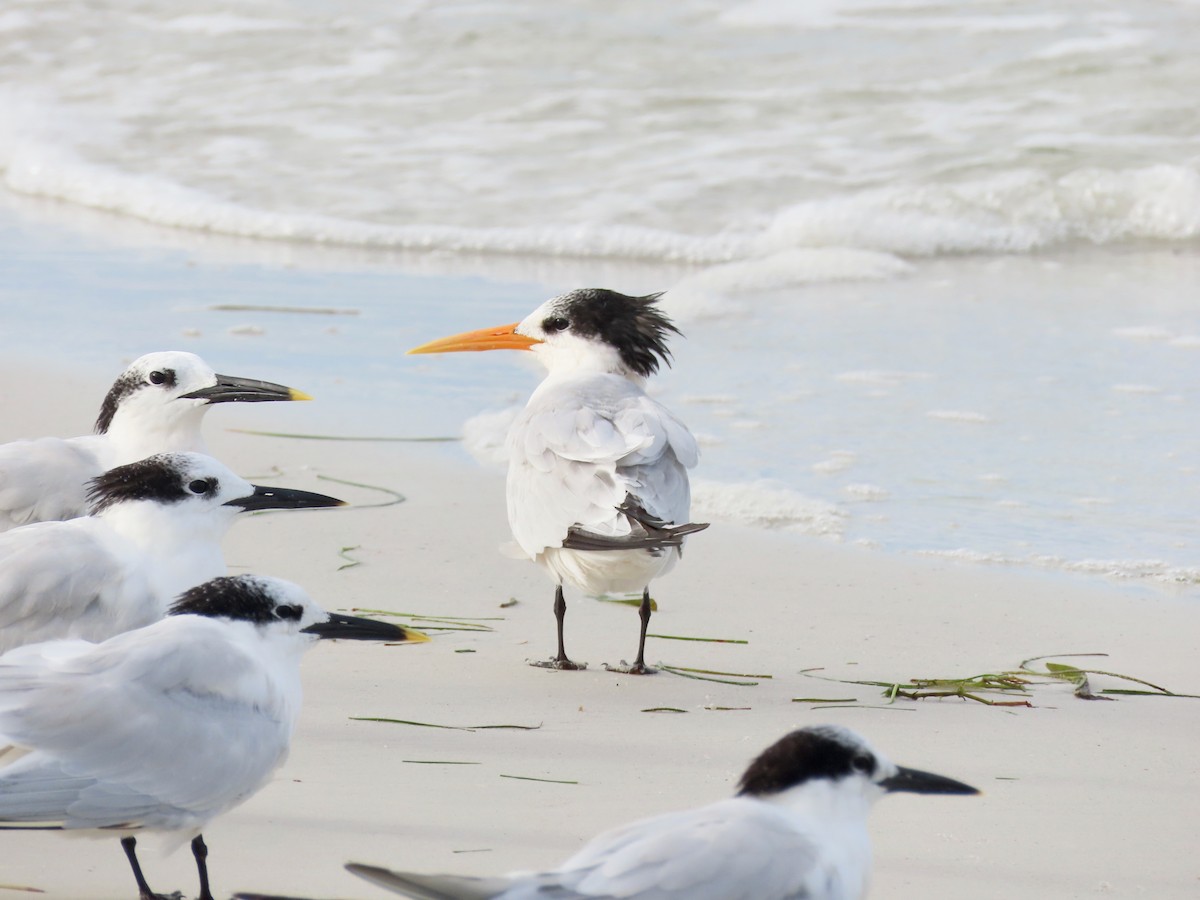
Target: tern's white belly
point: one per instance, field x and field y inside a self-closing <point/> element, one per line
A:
<point x="598" y="572"/>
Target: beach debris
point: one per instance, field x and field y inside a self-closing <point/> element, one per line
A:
<point x="305" y="310"/>
<point x="628" y="600"/>
<point x="664" y="709"/>
<point x="447" y="727"/>
<point x="436" y="623"/>
<point x="1007" y="688"/>
<point x="742" y="680"/>
<point x="544" y="780"/>
<point x="707" y="640"/>
<point x="396" y="496"/>
<point x="343" y="437"/>
<point x="351" y="562"/>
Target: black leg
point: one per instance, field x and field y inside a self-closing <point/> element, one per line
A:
<point x="560" y="661"/>
<point x="639" y="666"/>
<point x="200" y="851"/>
<point x="560" y="613"/>
<point x="128" y="844"/>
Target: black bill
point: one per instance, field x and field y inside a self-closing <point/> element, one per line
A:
<point x="914" y="781"/>
<point x="230" y="389"/>
<point x="284" y="498"/>
<point x="355" y="628"/>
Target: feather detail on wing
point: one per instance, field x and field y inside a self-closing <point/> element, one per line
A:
<point x="45" y="480"/>
<point x="581" y="449"/>
<point x="648" y="533"/>
<point x="731" y="850"/>
<point x="61" y="579"/>
<point x="113" y="725"/>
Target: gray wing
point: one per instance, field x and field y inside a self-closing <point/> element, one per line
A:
<point x="733" y="850"/>
<point x="577" y="455"/>
<point x="45" y="480"/>
<point x="160" y="728"/>
<point x="67" y="579"/>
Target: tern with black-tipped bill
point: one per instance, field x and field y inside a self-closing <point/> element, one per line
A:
<point x="156" y="532"/>
<point x="155" y="406"/>
<point x="796" y="830"/>
<point x="598" y="491"/>
<point x="162" y="728"/>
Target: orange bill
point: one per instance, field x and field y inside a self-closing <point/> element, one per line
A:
<point x="501" y="337"/>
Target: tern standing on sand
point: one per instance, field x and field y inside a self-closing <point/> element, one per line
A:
<point x="597" y="477"/>
<point x="156" y="532"/>
<point x="165" y="727"/>
<point x="155" y="406"/>
<point x="797" y="830"/>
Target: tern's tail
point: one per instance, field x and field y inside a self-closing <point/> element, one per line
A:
<point x="649" y="532"/>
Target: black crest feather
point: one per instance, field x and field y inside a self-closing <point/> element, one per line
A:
<point x="633" y="325"/>
<point x="230" y="596"/>
<point x="122" y="388"/>
<point x="802" y="755"/>
<point x="127" y="384"/>
<point x="153" y="478"/>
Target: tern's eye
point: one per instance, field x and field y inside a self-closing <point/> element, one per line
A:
<point x="289" y="612"/>
<point x="555" y="324"/>
<point x="157" y="378"/>
<point x="863" y="763"/>
<point x="202" y="485"/>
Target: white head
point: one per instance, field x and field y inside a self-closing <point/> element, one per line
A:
<point x="589" y="330"/>
<point x="282" y="609"/>
<point x="185" y="493"/>
<point x="834" y="763"/>
<point x="157" y="404"/>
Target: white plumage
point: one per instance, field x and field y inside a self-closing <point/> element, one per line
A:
<point x="167" y="726"/>
<point x="597" y="480"/>
<point x="582" y="445"/>
<point x="155" y="406"/>
<point x="796" y="831"/>
<point x="157" y="533"/>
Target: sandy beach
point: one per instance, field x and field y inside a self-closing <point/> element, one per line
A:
<point x="1080" y="798"/>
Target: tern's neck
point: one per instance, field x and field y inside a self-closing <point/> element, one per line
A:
<point x="166" y="531"/>
<point x="135" y="434"/>
<point x="841" y="811"/>
<point x="580" y="359"/>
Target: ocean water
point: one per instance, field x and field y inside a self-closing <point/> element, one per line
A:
<point x="937" y="263"/>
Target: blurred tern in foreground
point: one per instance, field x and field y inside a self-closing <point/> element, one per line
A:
<point x="156" y="531"/>
<point x="155" y="406"/>
<point x="597" y="477"/>
<point x="797" y="830"/>
<point x="165" y="727"/>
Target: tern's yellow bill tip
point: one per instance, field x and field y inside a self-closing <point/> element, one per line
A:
<point x="294" y="394"/>
<point x="415" y="637"/>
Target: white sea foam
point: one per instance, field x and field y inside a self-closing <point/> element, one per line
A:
<point x="765" y="504"/>
<point x="958" y="415"/>
<point x="1123" y="569"/>
<point x="399" y="130"/>
<point x="862" y="491"/>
